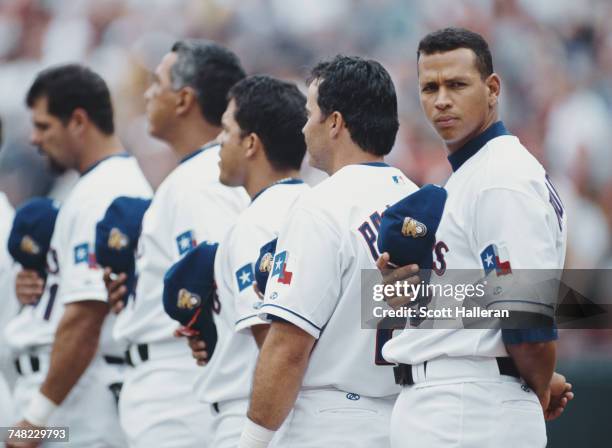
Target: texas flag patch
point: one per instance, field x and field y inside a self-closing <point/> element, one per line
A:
<point x="491" y="260"/>
<point x="185" y="242"/>
<point x="83" y="255"/>
<point x="245" y="276"/>
<point x="280" y="268"/>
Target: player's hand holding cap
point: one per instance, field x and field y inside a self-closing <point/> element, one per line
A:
<point x="263" y="265"/>
<point x="189" y="293"/>
<point x="408" y="228"/>
<point x="117" y="236"/>
<point x="30" y="236"/>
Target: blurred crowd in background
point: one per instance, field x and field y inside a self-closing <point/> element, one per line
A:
<point x="554" y="57"/>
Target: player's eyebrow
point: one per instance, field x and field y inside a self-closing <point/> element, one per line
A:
<point x="458" y="78"/>
<point x="427" y="84"/>
<point x="40" y="124"/>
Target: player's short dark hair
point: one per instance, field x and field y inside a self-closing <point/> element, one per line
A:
<point x="208" y="68"/>
<point x="449" y="39"/>
<point x="275" y="110"/>
<point x="70" y="87"/>
<point x="363" y="92"/>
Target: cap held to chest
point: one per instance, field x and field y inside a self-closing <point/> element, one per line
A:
<point x="117" y="235"/>
<point x="189" y="295"/>
<point x="31" y="233"/>
<point x="408" y="228"/>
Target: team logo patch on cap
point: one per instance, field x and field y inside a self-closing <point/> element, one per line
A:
<point x="117" y="240"/>
<point x="266" y="262"/>
<point x="413" y="228"/>
<point x="29" y="246"/>
<point x="187" y="300"/>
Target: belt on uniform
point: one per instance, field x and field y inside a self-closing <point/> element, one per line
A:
<point x="403" y="372"/>
<point x="143" y="352"/>
<point x="35" y="362"/>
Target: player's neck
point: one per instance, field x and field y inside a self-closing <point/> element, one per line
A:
<point x="267" y="177"/>
<point x="98" y="148"/>
<point x="352" y="156"/>
<point x="453" y="147"/>
<point x="188" y="139"/>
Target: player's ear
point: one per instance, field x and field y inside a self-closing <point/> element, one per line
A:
<point x="336" y="123"/>
<point x="493" y="83"/>
<point x="252" y="145"/>
<point x="185" y="100"/>
<point x="78" y="122"/>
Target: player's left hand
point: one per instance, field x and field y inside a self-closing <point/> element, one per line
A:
<point x="560" y="395"/>
<point x="24" y="425"/>
<point x="116" y="289"/>
<point x="392" y="274"/>
<point x="198" y="350"/>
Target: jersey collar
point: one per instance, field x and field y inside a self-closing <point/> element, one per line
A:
<point x="379" y="164"/>
<point x="470" y="148"/>
<point x="92" y="167"/>
<point x="286" y="181"/>
<point x="198" y="151"/>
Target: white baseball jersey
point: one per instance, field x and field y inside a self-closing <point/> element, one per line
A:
<point x="72" y="272"/>
<point x="502" y="213"/>
<point x="189" y="207"/>
<point x="229" y="374"/>
<point x="316" y="279"/>
<point x="8" y="301"/>
<point x="8" y="308"/>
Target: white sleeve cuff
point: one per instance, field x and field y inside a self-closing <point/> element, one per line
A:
<point x="290" y="316"/>
<point x="39" y="410"/>
<point x="255" y="436"/>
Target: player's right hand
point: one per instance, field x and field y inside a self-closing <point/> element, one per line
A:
<point x="29" y="286"/>
<point x="392" y="274"/>
<point x="560" y="394"/>
<point x="116" y="289"/>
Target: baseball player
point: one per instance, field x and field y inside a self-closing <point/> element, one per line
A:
<point x="8" y="305"/>
<point x="463" y="388"/>
<point x="28" y="244"/>
<point x="72" y="360"/>
<point x="184" y="107"/>
<point x="339" y="395"/>
<point x="262" y="148"/>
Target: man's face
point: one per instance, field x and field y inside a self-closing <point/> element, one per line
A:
<point x="455" y="98"/>
<point x="51" y="137"/>
<point x="160" y="98"/>
<point x="233" y="149"/>
<point x="315" y="129"/>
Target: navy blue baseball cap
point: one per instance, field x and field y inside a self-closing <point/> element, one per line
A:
<point x="190" y="293"/>
<point x="263" y="265"/>
<point x="30" y="236"/>
<point x="117" y="235"/>
<point x="408" y="228"/>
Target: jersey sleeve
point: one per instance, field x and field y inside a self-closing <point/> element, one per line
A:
<point x="80" y="277"/>
<point x="243" y="251"/>
<point x="203" y="215"/>
<point x="518" y="246"/>
<point x="304" y="285"/>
